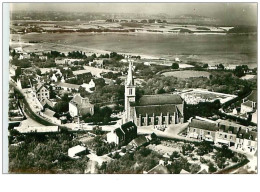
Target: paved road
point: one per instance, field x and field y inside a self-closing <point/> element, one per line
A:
<point x="171" y="132"/>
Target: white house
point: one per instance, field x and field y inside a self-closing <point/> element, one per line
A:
<point x="75" y="151"/>
<point x="89" y="86"/>
<point x="42" y="57"/>
<point x="54" y="78"/>
<point x="247" y="107"/>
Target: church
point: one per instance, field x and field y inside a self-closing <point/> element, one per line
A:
<point x="163" y="109"/>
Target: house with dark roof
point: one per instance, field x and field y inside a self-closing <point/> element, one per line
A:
<point x="123" y="135"/>
<point x="163" y="109"/>
<point x="202" y="130"/>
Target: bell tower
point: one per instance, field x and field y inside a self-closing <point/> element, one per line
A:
<point x="129" y="93"/>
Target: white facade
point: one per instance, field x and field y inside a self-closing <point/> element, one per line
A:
<point x="73" y="110"/>
<point x="112" y="138"/>
<point x="88" y="86"/>
<point x="74" y="151"/>
<point x="54" y="78"/>
<point x="246" y="108"/>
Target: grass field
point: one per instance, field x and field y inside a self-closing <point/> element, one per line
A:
<point x="186" y="74"/>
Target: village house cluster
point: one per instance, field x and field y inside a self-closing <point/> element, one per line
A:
<point x="223" y="132"/>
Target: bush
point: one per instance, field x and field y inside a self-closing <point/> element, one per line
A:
<point x="212" y="168"/>
<point x="234" y="159"/>
<point x="175" y="155"/>
<point x="204" y="148"/>
<point x="187" y="148"/>
<point x="194" y="168"/>
<point x="175" y="66"/>
<point x="123" y="150"/>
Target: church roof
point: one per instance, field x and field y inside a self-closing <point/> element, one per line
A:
<point x="160" y="99"/>
<point x="155" y="109"/>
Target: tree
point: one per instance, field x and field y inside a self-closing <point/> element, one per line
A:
<point x="194" y="168"/>
<point x="175" y="66"/>
<point x="187" y="148"/>
<point x="221" y="66"/>
<point x="175" y="155"/>
<point x="240" y="70"/>
<point x="206" y="65"/>
<point x="61" y="106"/>
<point x="212" y="168"/>
<point x="204" y="148"/>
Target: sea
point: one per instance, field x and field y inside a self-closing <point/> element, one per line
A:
<point x="228" y="49"/>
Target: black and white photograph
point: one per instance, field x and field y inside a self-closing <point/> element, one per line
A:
<point x="131" y="88"/>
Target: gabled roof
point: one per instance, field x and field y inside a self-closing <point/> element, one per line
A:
<point x="39" y="87"/>
<point x="159" y="169"/>
<point x="139" y="141"/>
<point x="248" y="104"/>
<point x="196" y="123"/>
<point x="162" y="99"/>
<point x="49" y="112"/>
<point x="253" y="96"/>
<point x="184" y="172"/>
<point x="68" y="85"/>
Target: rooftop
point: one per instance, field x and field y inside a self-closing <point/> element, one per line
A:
<point x="49" y="112"/>
<point x="38" y="129"/>
<point x="160" y="99"/>
<point x="68" y="85"/>
<point x="196" y="123"/>
<point x="159" y="169"/>
<point x="248" y="104"/>
<point x="155" y="109"/>
<point x="253" y="96"/>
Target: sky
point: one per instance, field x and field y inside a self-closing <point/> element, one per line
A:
<point x="244" y="13"/>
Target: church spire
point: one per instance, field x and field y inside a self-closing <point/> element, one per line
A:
<point x="130" y="80"/>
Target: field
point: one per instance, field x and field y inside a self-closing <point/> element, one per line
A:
<point x="186" y="74"/>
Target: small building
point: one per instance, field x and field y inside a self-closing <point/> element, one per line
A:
<point x="54" y="78"/>
<point x="43" y="58"/>
<point x="202" y="130"/>
<point x="38" y="129"/>
<point x="79" y="106"/>
<point x="139" y="141"/>
<point x="248" y="107"/>
<point x="77" y="151"/>
<point x="68" y="86"/>
<point x="89" y="86"/>
<point x="123" y="135"/>
<point x="99" y="62"/>
<point x="42" y="92"/>
<point x="159" y="169"/>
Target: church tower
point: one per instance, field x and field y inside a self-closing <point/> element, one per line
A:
<point x="129" y="93"/>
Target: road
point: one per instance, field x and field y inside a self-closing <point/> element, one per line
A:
<point x="171" y="131"/>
